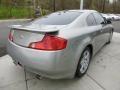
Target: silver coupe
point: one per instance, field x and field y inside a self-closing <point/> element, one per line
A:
<point x="61" y="44"/>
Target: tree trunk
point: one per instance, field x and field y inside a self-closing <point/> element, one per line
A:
<point x="54" y="5"/>
<point x="103" y="9"/>
<point x="63" y="4"/>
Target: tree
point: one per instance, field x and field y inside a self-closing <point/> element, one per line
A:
<point x="63" y="4"/>
<point x="54" y="5"/>
<point x="87" y="4"/>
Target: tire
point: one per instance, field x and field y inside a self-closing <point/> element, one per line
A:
<point x="83" y="63"/>
<point x="110" y="38"/>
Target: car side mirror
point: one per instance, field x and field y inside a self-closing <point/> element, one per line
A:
<point x="103" y="22"/>
<point x="108" y="21"/>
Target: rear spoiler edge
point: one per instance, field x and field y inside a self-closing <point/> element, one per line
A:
<point x="19" y="27"/>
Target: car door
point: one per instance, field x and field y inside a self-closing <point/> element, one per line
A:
<point x="101" y="30"/>
<point x="95" y="31"/>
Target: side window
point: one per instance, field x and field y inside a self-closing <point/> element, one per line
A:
<point x="91" y="20"/>
<point x="98" y="17"/>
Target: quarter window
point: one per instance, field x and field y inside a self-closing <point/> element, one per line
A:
<point x="98" y="17"/>
<point x="91" y="20"/>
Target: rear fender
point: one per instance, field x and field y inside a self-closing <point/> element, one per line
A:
<point x="83" y="44"/>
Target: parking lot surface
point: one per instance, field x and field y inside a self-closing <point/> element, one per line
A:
<point x="103" y="73"/>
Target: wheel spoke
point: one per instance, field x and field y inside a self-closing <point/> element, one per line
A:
<point x="82" y="68"/>
<point x="85" y="61"/>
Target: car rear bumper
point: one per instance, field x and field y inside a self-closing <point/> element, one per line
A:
<point x="51" y="64"/>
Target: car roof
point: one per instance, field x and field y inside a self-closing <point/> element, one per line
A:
<point x="83" y="11"/>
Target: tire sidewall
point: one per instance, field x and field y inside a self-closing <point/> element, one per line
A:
<point x="78" y="73"/>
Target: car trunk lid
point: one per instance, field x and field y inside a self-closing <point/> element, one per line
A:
<point x="24" y="35"/>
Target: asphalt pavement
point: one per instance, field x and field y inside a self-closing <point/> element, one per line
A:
<point x="116" y="25"/>
<point x="4" y="31"/>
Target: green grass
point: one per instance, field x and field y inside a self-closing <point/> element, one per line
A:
<point x="18" y="12"/>
<point x="15" y="12"/>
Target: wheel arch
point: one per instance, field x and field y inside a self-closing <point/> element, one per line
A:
<point x="91" y="48"/>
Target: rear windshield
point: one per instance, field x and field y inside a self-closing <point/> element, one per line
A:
<point x="58" y="18"/>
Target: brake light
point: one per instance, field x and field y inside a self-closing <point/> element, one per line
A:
<point x="11" y="35"/>
<point x="49" y="43"/>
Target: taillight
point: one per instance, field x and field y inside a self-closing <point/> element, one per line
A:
<point x="49" y="43"/>
<point x="11" y="35"/>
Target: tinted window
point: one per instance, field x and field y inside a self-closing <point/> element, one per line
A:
<point x="58" y="18"/>
<point x="91" y="20"/>
<point x="98" y="17"/>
